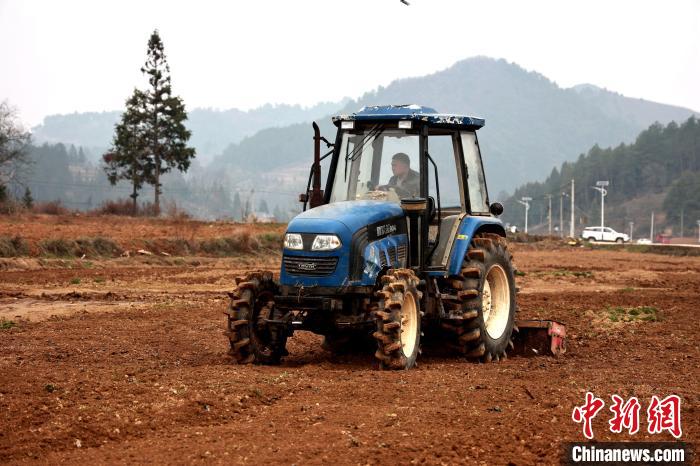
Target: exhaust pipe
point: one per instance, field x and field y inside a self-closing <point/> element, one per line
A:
<point x="316" y="198"/>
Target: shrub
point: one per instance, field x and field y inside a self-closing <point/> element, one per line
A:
<point x="50" y="208"/>
<point x="271" y="240"/>
<point x="93" y="247"/>
<point x="118" y="207"/>
<point x="243" y="242"/>
<point x="58" y="247"/>
<point x="13" y="247"/>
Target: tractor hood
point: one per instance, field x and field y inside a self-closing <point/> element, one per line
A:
<point x="353" y="215"/>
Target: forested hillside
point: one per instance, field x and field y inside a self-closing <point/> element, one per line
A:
<point x="659" y="172"/>
<point x="532" y="124"/>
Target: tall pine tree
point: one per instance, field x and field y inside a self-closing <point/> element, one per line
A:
<point x="127" y="158"/>
<point x="163" y="119"/>
<point x="151" y="138"/>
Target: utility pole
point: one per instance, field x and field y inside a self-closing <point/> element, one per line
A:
<point x="682" y="213"/>
<point x="631" y="230"/>
<point x="571" y="227"/>
<point x="600" y="186"/>
<point x="526" y="202"/>
<point x="549" y="213"/>
<point x="561" y="214"/>
<point x="651" y="233"/>
<point x="698" y="231"/>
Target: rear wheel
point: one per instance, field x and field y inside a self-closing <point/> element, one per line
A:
<point x="484" y="293"/>
<point x="398" y="318"/>
<point x="251" y="337"/>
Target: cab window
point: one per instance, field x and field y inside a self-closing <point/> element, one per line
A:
<point x="478" y="198"/>
<point x="443" y="150"/>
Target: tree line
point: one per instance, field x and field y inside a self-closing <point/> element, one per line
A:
<point x="663" y="163"/>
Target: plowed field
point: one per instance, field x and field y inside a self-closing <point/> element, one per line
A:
<point x="123" y="360"/>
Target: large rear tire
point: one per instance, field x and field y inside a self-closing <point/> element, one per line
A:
<point x="398" y="318"/>
<point x="485" y="295"/>
<point x="251" y="337"/>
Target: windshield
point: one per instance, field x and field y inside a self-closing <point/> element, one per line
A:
<point x="376" y="163"/>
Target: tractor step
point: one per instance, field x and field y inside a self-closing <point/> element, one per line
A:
<point x="539" y="337"/>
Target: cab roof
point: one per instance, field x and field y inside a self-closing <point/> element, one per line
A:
<point x="410" y="112"/>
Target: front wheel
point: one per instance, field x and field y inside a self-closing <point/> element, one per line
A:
<point x="620" y="240"/>
<point x="398" y="318"/>
<point x="251" y="337"/>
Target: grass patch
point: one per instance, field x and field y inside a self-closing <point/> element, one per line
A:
<point x="98" y="280"/>
<point x="518" y="273"/>
<point x="13" y="247"/>
<point x="75" y="281"/>
<point x="58" y="247"/>
<point x="633" y="314"/>
<point x="7" y="324"/>
<point x="271" y="240"/>
<point x="89" y="247"/>
<point x="241" y="243"/>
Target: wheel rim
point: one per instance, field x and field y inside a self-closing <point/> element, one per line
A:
<point x="495" y="301"/>
<point x="409" y="325"/>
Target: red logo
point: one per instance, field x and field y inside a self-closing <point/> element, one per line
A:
<point x="662" y="415"/>
<point x="625" y="415"/>
<point x="585" y="414"/>
<point x="665" y="415"/>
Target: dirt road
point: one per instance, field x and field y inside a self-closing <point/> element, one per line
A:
<point x="124" y="361"/>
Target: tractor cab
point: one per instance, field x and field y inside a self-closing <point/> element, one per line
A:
<point x="401" y="171"/>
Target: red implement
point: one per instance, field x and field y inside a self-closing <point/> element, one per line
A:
<point x="539" y="337"/>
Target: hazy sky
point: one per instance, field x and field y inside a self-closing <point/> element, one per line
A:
<point x="65" y="56"/>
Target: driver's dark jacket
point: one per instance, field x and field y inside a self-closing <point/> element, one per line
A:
<point x="410" y="187"/>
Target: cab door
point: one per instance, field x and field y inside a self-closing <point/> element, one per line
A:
<point x="477" y="195"/>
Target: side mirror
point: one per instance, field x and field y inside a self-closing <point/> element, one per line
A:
<point x="496" y="208"/>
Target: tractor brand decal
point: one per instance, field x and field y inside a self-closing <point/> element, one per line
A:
<point x="461" y="236"/>
<point x="388" y="227"/>
<point x="662" y="415"/>
<point x="384" y="230"/>
<point x="307" y="266"/>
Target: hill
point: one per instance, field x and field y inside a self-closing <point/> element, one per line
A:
<point x="212" y="130"/>
<point x="532" y="124"/>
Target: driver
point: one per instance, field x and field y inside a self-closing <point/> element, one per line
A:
<point x="405" y="182"/>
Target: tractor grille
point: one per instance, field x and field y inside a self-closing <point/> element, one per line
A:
<point x="313" y="266"/>
<point x="401" y="254"/>
<point x="382" y="258"/>
<point x="391" y="250"/>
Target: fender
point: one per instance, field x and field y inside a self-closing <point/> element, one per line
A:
<point x="470" y="226"/>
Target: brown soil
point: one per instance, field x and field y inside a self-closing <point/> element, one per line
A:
<point x="128" y="232"/>
<point x="124" y="361"/>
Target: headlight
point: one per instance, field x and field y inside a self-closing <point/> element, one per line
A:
<point x="293" y="241"/>
<point x="325" y="243"/>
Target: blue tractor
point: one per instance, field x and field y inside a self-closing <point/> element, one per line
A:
<point x="402" y="244"/>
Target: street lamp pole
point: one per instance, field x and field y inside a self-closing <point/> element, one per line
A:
<point x="600" y="186"/>
<point x="526" y="202"/>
